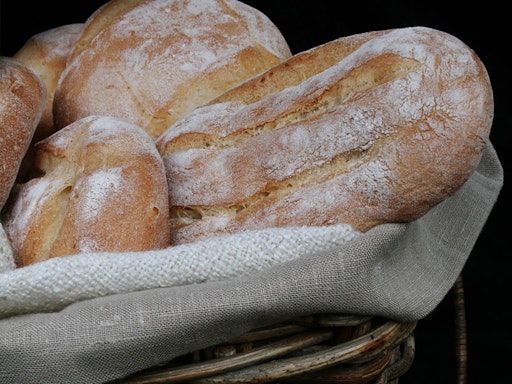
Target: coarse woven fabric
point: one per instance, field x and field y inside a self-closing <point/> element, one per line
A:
<point x="6" y="256"/>
<point x="399" y="271"/>
<point x="55" y="283"/>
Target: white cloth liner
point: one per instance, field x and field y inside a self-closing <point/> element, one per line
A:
<point x="57" y="282"/>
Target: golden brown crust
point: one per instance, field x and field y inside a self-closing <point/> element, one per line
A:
<point x="22" y="99"/>
<point x="150" y="61"/>
<point x="46" y="53"/>
<point x="296" y="69"/>
<point x="381" y="133"/>
<point x="102" y="187"/>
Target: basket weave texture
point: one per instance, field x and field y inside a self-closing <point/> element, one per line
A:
<point x="324" y="348"/>
<point x="327" y="348"/>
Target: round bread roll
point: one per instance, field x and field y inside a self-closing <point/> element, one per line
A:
<point x="46" y="53"/>
<point x="22" y="100"/>
<point x="102" y="187"/>
<point x="151" y="61"/>
<point x="364" y="130"/>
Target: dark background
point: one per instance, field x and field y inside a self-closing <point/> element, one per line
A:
<point x="484" y="26"/>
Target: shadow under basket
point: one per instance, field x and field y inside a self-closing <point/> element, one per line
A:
<point x="323" y="348"/>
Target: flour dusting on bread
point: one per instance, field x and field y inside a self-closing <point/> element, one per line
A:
<point x="381" y="135"/>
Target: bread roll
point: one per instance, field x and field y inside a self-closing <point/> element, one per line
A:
<point x="102" y="187"/>
<point x="22" y="100"/>
<point x="46" y="54"/>
<point x="151" y="61"/>
<point x="363" y="130"/>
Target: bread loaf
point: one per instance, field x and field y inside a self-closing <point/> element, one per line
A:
<point x="22" y="100"/>
<point x="101" y="187"/>
<point x="367" y="129"/>
<point x="46" y="54"/>
<point x="151" y="61"/>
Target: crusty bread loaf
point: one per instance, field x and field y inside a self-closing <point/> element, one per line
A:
<point x="102" y="187"/>
<point x="151" y="61"/>
<point x="367" y="129"/>
<point x="46" y="53"/>
<point x="22" y="100"/>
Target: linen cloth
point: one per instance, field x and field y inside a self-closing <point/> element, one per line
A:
<point x="56" y="329"/>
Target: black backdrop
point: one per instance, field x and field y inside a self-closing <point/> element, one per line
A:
<point x="305" y="24"/>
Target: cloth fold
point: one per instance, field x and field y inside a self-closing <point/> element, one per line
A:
<point x="399" y="271"/>
<point x="57" y="282"/>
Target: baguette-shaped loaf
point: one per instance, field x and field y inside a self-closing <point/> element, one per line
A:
<point x="151" y="61"/>
<point x="101" y="187"/>
<point x="367" y="129"/>
<point x="22" y="100"/>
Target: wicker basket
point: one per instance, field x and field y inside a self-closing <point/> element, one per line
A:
<point x="327" y="348"/>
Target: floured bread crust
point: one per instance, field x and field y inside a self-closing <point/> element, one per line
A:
<point x="102" y="187"/>
<point x="363" y="130"/>
<point x="22" y="100"/>
<point x="151" y="61"/>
